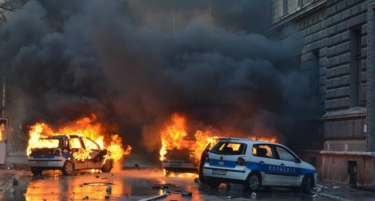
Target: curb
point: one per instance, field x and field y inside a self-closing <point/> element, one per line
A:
<point x="9" y="183"/>
<point x="334" y="197"/>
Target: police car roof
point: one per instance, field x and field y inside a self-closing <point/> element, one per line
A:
<point x="242" y="140"/>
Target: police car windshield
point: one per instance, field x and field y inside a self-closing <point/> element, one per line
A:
<point x="47" y="143"/>
<point x="229" y="148"/>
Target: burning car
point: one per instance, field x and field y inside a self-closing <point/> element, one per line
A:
<point x="180" y="161"/>
<point x="68" y="153"/>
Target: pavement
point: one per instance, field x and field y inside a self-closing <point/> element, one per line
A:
<point x="16" y="166"/>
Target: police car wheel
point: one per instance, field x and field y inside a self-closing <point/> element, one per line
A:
<point x="36" y="171"/>
<point x="307" y="184"/>
<point x="253" y="182"/>
<point x="68" y="168"/>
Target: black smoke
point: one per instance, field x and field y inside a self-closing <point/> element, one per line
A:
<point x="127" y="63"/>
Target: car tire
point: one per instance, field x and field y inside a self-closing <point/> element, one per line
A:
<point x="253" y="182"/>
<point x="36" y="171"/>
<point x="108" y="165"/>
<point x="67" y="168"/>
<point x="200" y="175"/>
<point x="213" y="184"/>
<point x="307" y="184"/>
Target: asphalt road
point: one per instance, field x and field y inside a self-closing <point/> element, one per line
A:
<point x="134" y="185"/>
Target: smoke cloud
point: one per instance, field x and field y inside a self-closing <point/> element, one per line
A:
<point x="127" y="63"/>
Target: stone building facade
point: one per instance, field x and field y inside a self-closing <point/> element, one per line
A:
<point x="337" y="55"/>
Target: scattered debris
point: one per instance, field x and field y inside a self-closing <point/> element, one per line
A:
<point x="186" y="193"/>
<point x="196" y="180"/>
<point x="97" y="184"/>
<point x="336" y="188"/>
<point x="109" y="189"/>
<point x="156" y="197"/>
<point x="253" y="194"/>
<point x="15" y="181"/>
<point x="161" y="186"/>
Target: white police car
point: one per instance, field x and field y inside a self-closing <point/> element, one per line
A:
<point x="61" y="153"/>
<point x="255" y="164"/>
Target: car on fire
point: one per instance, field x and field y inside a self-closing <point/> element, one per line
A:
<point x="256" y="164"/>
<point x="68" y="153"/>
<point x="180" y="161"/>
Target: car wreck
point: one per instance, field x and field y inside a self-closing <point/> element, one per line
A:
<point x="68" y="153"/>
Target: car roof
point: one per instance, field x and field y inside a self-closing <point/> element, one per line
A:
<point x="62" y="136"/>
<point x="235" y="139"/>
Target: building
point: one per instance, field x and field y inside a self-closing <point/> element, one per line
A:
<point x="337" y="54"/>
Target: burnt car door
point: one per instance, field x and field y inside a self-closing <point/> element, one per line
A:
<point x="96" y="154"/>
<point x="77" y="148"/>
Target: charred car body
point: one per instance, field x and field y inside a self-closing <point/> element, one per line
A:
<point x="68" y="153"/>
<point x="180" y="161"/>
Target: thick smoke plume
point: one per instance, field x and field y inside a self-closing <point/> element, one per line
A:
<point x="127" y="63"/>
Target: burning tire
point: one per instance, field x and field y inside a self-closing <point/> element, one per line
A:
<point x="36" y="171"/>
<point x="68" y="168"/>
<point x="108" y="165"/>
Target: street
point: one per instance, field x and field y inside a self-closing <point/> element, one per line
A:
<point x="133" y="185"/>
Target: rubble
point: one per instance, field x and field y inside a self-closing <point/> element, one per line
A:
<point x="186" y="193"/>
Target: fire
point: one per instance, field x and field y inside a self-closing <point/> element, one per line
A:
<point x="85" y="127"/>
<point x="173" y="136"/>
<point x="265" y="139"/>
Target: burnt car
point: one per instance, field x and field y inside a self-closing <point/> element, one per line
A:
<point x="180" y="161"/>
<point x="68" y="153"/>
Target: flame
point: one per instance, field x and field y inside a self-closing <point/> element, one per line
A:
<point x="173" y="136"/>
<point x="265" y="139"/>
<point x="85" y="127"/>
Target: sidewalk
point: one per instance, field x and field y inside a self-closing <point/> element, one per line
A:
<point x="345" y="192"/>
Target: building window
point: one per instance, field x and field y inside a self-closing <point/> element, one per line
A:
<point x="315" y="75"/>
<point x="299" y="4"/>
<point x="283" y="7"/>
<point x="355" y="67"/>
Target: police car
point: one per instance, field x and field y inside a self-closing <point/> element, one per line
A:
<point x="255" y="164"/>
<point x="180" y="161"/>
<point x="59" y="153"/>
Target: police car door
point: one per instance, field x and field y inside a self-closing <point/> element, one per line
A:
<point x="265" y="159"/>
<point x="290" y="166"/>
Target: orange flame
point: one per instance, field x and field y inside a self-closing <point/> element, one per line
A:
<point x="85" y="127"/>
<point x="173" y="136"/>
<point x="265" y="139"/>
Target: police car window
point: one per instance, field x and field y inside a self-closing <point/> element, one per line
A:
<point x="284" y="154"/>
<point x="75" y="143"/>
<point x="263" y="150"/>
<point x="89" y="144"/>
<point x="228" y="148"/>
